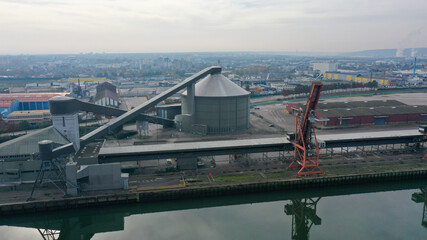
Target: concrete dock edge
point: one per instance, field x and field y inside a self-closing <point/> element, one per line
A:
<point x="206" y="191"/>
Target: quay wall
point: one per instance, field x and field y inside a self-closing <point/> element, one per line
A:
<point x="206" y="191"/>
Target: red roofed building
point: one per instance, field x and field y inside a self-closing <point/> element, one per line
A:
<point x="10" y="102"/>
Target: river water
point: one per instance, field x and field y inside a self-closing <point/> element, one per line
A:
<point x="376" y="211"/>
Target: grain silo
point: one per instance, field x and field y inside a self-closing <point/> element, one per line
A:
<point x="219" y="106"/>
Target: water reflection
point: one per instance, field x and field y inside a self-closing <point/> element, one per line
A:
<point x="301" y="207"/>
<point x="304" y="215"/>
<point x="421" y="197"/>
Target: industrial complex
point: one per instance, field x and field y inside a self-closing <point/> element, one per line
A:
<point x="242" y="119"/>
<point x="213" y="108"/>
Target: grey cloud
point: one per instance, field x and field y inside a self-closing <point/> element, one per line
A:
<point x="219" y="24"/>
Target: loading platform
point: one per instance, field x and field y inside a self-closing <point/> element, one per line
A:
<point x="212" y="148"/>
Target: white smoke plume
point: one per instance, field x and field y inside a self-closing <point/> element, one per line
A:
<point x="399" y="51"/>
<point x="407" y="41"/>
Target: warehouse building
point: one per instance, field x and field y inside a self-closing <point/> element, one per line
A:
<point x="106" y="95"/>
<point x="33" y="116"/>
<point x="364" y="113"/>
<point x="8" y="106"/>
<point x="323" y="67"/>
<point x="25" y="101"/>
<point x="354" y="77"/>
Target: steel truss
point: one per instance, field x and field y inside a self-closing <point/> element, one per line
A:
<point x="421" y="197"/>
<point x="52" y="171"/>
<point x="365" y="149"/>
<point x="306" y="146"/>
<point x="306" y="155"/>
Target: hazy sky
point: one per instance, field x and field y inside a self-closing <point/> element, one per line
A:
<point x="113" y="26"/>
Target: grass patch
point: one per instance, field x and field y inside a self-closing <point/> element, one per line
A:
<point x="143" y="137"/>
<point x="235" y="178"/>
<point x="278" y="174"/>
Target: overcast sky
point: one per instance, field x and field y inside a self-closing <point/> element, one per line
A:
<point x="138" y="26"/>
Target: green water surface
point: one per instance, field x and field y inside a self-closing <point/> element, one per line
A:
<point x="376" y="211"/>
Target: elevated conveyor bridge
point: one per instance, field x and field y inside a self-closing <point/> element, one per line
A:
<point x="109" y="111"/>
<point x="134" y="113"/>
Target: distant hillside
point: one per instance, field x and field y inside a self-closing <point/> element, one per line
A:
<point x="407" y="52"/>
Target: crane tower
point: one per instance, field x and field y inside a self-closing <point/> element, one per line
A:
<point x="306" y="147"/>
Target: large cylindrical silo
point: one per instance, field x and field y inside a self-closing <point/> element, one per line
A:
<point x="220" y="105"/>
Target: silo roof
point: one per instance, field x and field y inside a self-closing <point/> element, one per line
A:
<point x="217" y="85"/>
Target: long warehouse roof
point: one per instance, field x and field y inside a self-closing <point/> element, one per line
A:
<point x="29" y="97"/>
<point x="193" y="146"/>
<point x="367" y="135"/>
<point x="129" y="153"/>
<point x="372" y="111"/>
<point x="356" y="104"/>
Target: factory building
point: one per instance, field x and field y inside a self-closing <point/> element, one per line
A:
<point x="25" y="102"/>
<point x="8" y="106"/>
<point x="354" y="77"/>
<point x="364" y="113"/>
<point x="106" y="95"/>
<point x="323" y="67"/>
<point x="214" y="105"/>
<point x="33" y="117"/>
<point x="46" y="87"/>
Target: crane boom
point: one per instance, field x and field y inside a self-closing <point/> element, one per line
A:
<point x="305" y="143"/>
<point x="311" y="107"/>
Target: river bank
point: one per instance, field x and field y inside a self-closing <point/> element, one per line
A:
<point x="235" y="184"/>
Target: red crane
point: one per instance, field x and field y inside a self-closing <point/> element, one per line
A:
<point x="305" y="142"/>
